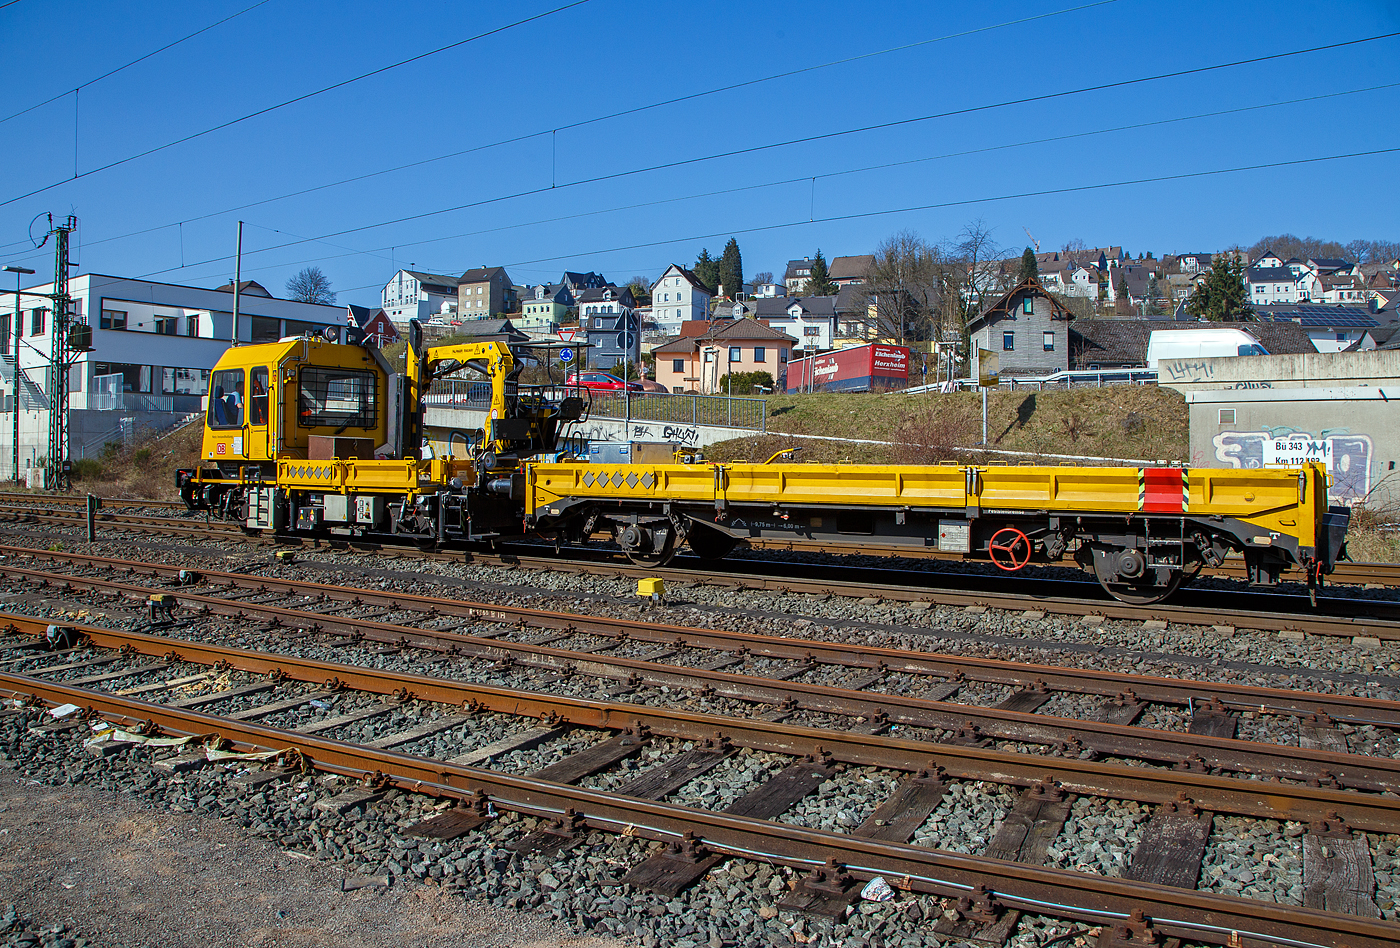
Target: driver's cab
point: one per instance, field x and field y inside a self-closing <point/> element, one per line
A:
<point x="270" y="401"/>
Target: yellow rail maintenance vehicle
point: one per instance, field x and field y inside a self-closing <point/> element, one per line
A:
<point x="310" y="437"/>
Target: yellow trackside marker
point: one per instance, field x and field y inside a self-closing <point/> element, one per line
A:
<point x="654" y="587"/>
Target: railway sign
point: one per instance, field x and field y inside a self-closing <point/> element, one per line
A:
<point x="566" y="355"/>
<point x="988" y="368"/>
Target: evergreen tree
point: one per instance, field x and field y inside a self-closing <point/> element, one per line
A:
<point x="707" y="271"/>
<point x="1029" y="268"/>
<point x="1223" y="297"/>
<point x="1153" y="305"/>
<point x="731" y="270"/>
<point x="818" y="283"/>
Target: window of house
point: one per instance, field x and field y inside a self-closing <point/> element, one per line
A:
<point x="226" y="399"/>
<point x="296" y="327"/>
<point x="680" y="390"/>
<point x="166" y="325"/>
<point x="1008" y="341"/>
<point x="736" y="354"/>
<point x="184" y="381"/>
<point x="709" y="355"/>
<point x="760" y="353"/>
<point x="192" y="325"/>
<point x="598" y="323"/>
<point x="266" y="329"/>
<point x="5" y="335"/>
<point x="677" y="365"/>
<point x="135" y="378"/>
<point x="1028" y="305"/>
<point x="1048" y="340"/>
<point x="782" y="355"/>
<point x="1227" y="416"/>
<point x="1341" y="337"/>
<point x="36" y="321"/>
<point x="336" y="398"/>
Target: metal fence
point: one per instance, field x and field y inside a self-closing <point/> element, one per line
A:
<point x="719" y="410"/>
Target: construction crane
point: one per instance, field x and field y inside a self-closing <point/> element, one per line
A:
<point x="1032" y="237"/>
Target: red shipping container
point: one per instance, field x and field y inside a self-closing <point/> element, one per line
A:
<point x="868" y="368"/>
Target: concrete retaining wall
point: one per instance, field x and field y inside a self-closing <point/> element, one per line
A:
<point x="1341" y="409"/>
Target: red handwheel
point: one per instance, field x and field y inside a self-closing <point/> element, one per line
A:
<point x="1011" y="544"/>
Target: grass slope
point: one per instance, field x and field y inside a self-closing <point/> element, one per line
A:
<point x="1119" y="422"/>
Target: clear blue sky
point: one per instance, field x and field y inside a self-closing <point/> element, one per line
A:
<point x="606" y="56"/>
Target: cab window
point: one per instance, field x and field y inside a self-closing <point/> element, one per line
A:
<point x="337" y="398"/>
<point x="226" y="399"/>
<point x="257" y="396"/>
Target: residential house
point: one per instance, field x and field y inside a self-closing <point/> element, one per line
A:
<point x="544" y="308"/>
<point x="608" y="317"/>
<point x="857" y="320"/>
<point x="811" y="320"/>
<point x="1082" y="280"/>
<point x="411" y="294"/>
<point x="578" y="282"/>
<point x="676" y="297"/>
<point x="1122" y="343"/>
<point x="797" y="274"/>
<point x="850" y="271"/>
<point x="485" y="292"/>
<point x="1330" y="328"/>
<point x="489" y="330"/>
<point x="1193" y="263"/>
<point x="1268" y="260"/>
<point x="1273" y="284"/>
<point x="374" y="324"/>
<point x="698" y="362"/>
<point x="1029" y="329"/>
<point x="768" y="290"/>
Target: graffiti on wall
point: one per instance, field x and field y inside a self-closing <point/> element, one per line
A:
<point x="1346" y="456"/>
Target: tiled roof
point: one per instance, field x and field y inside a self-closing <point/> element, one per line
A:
<point x="1268" y="275"/>
<point x="434" y="279"/>
<point x="850" y="268"/>
<point x="480" y="274"/>
<point x="728" y="330"/>
<point x="1124" y="341"/>
<point x="777" y="307"/>
<point x="1028" y="285"/>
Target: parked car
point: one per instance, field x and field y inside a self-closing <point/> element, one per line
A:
<point x="601" y="382"/>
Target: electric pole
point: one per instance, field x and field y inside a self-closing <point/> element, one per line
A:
<point x="58" y="358"/>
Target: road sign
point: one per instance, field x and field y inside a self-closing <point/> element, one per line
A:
<point x="567" y="335"/>
<point x="566" y="355"/>
<point x="988" y="368"/>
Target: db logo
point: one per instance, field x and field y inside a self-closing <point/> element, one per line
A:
<point x="222" y="448"/>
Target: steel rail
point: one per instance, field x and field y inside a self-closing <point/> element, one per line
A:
<point x="1147" y="688"/>
<point x="1200" y="916"/>
<point x="1220" y="794"/>
<point x="1158" y="746"/>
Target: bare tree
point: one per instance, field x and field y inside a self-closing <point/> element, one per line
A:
<point x="981" y="255"/>
<point x="763" y="276"/>
<point x="1073" y="246"/>
<point x="310" y="286"/>
<point x="902" y="288"/>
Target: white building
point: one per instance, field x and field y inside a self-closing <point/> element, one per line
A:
<point x="811" y="320"/>
<point x="676" y="297"/>
<point x="153" y="345"/>
<point x="421" y="296"/>
<point x="1270" y="284"/>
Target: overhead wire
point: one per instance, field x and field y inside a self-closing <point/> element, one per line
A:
<point x="609" y="116"/>
<point x="1046" y="192"/>
<point x="1197" y="70"/>
<point x="128" y="65"/>
<point x="295" y="99"/>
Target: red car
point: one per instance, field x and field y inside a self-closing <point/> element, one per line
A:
<point x="601" y="382"/>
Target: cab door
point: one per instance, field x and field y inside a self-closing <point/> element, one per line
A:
<point x="256" y="443"/>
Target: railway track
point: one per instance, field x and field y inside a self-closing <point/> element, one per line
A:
<point x="876" y="689"/>
<point x="1337" y="615"/>
<point x="574" y="761"/>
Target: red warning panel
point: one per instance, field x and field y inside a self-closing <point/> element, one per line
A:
<point x="1163" y="490"/>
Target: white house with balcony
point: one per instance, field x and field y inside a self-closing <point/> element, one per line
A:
<point x="425" y="297"/>
<point x="153" y="345"/>
<point x="677" y="297"/>
<point x="811" y="320"/>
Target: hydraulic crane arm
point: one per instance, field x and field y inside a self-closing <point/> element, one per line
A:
<point x="491" y="359"/>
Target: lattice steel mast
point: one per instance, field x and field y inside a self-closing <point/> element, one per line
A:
<point x="59" y="357"/>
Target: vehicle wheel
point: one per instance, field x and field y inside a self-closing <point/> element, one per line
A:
<point x="710" y="544"/>
<point x="640" y="546"/>
<point x="1136" y="592"/>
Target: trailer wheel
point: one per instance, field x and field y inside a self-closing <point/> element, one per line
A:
<point x="1124" y="575"/>
<point x="709" y="544"/>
